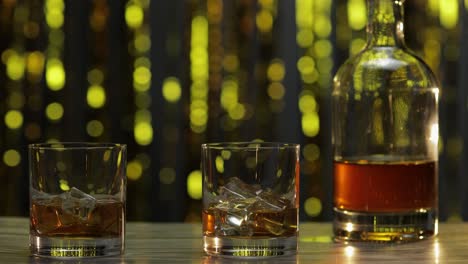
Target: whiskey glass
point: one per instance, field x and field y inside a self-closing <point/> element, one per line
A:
<point x="250" y="199"/>
<point x="77" y="199"/>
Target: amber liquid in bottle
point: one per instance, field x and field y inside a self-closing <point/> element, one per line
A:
<point x="365" y="186"/>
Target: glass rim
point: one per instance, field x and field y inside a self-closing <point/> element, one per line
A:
<point x="75" y="145"/>
<point x="250" y="145"/>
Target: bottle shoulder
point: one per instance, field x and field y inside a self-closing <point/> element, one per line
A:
<point x="385" y="67"/>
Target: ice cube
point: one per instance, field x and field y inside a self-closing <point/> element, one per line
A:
<point x="236" y="188"/>
<point x="290" y="196"/>
<point x="77" y="203"/>
<point x="273" y="226"/>
<point x="235" y="223"/>
<point x="247" y="228"/>
<point x="225" y="230"/>
<point x="270" y="209"/>
<point x="235" y="205"/>
<point x="239" y="221"/>
<point x="221" y="227"/>
<point x="234" y="217"/>
<point x="268" y="201"/>
<point x="39" y="195"/>
<point x="242" y="208"/>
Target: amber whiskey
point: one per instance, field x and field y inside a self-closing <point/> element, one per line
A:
<point x="218" y="222"/>
<point x="365" y="186"/>
<point x="50" y="219"/>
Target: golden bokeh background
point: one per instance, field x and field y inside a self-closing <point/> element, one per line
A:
<point x="164" y="77"/>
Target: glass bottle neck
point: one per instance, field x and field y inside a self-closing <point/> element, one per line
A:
<point x="385" y="23"/>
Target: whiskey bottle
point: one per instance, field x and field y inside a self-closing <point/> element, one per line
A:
<point x="384" y="137"/>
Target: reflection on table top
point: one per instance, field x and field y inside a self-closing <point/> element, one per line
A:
<point x="182" y="243"/>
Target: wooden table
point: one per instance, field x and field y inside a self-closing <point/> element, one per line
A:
<point x="182" y="243"/>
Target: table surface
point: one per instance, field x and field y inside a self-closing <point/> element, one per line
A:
<point x="182" y="243"/>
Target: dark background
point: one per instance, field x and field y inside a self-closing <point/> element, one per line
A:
<point x="164" y="77"/>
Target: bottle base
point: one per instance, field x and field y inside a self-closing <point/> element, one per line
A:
<point x="352" y="226"/>
<point x="248" y="247"/>
<point x="79" y="247"/>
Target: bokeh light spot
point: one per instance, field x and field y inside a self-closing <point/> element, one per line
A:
<point x="307" y="104"/>
<point x="312" y="206"/>
<point x="11" y="158"/>
<point x="96" y="96"/>
<point x="311" y="152"/>
<point x="171" y="89"/>
<point x="229" y="94"/>
<point x="6" y="54"/>
<point x="14" y="119"/>
<point x="310" y="124"/>
<point x="142" y="62"/>
<point x="448" y="13"/>
<point x="54" y="111"/>
<point x="64" y="185"/>
<point x="54" y="18"/>
<point x="238" y="112"/>
<point x="134" y="16"/>
<point x="15" y="66"/>
<point x="143" y="133"/>
<point x="95" y="128"/>
<point x="264" y="21"/>
<point x="35" y="63"/>
<point x="276" y="71"/>
<point x="276" y="91"/>
<point x="357" y="15"/>
<point x="194" y="185"/>
<point x="142" y="43"/>
<point x="219" y="164"/>
<point x="134" y="170"/>
<point x="55" y="74"/>
<point x="143" y="115"/>
<point x="142" y="75"/>
<point x="199" y="116"/>
<point x="323" y="48"/>
<point x="305" y="38"/>
<point x="322" y="26"/>
<point x="306" y="65"/>
<point x="95" y="77"/>
<point x="226" y="154"/>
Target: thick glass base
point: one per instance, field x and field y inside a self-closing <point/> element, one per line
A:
<point x="350" y="226"/>
<point x="248" y="247"/>
<point x="74" y="247"/>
